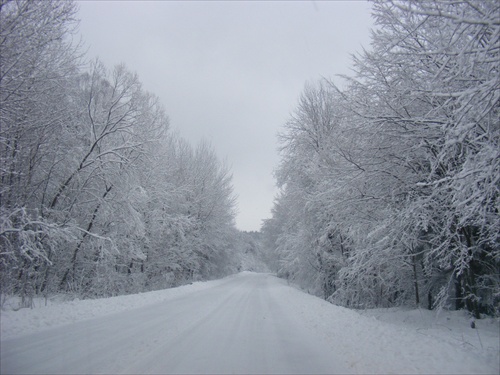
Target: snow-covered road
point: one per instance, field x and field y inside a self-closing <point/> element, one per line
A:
<point x="241" y="325"/>
<point x="247" y="323"/>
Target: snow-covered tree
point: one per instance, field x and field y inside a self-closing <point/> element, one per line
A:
<point x="37" y="66"/>
<point x="96" y="198"/>
<point x="404" y="180"/>
<point x="189" y="214"/>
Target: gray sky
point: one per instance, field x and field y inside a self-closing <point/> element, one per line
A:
<point x="229" y="72"/>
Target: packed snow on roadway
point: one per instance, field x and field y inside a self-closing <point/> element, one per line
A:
<point x="392" y="340"/>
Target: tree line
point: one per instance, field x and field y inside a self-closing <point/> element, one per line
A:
<point x="98" y="197"/>
<point x="389" y="185"/>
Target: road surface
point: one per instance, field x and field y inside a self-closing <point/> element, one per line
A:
<point x="242" y="325"/>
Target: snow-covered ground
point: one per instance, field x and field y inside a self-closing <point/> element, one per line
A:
<point x="246" y="323"/>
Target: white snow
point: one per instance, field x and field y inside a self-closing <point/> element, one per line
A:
<point x="246" y="323"/>
<point x="56" y="312"/>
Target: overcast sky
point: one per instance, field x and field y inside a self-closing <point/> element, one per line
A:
<point x="229" y="72"/>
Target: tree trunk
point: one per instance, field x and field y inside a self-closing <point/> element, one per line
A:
<point x="415" y="281"/>
<point x="85" y="234"/>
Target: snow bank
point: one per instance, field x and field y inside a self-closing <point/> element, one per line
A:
<point x="402" y="341"/>
<point x="56" y="312"/>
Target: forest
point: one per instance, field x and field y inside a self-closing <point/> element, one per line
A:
<point x="98" y="196"/>
<point x="389" y="183"/>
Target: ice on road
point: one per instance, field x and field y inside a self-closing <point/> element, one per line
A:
<point x="247" y="323"/>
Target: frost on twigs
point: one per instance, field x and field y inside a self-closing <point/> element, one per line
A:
<point x="389" y="187"/>
<point x="98" y="198"/>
